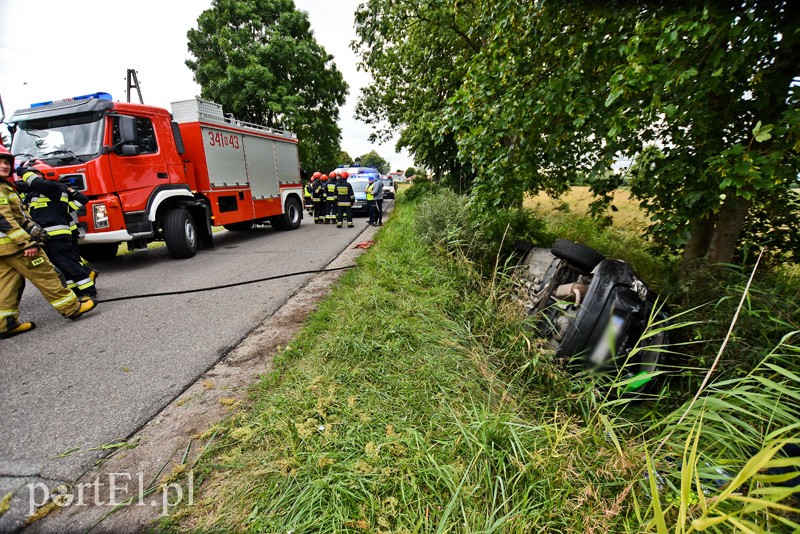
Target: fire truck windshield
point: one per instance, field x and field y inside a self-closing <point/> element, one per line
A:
<point x="61" y="140"/>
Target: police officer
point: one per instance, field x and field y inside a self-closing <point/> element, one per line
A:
<point x="48" y="202"/>
<point x="344" y="200"/>
<point x="21" y="258"/>
<point x="377" y="202"/>
<point x="317" y="194"/>
<point x="330" y="199"/>
<point x="370" y="200"/>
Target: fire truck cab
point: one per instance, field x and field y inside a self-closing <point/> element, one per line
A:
<point x="155" y="175"/>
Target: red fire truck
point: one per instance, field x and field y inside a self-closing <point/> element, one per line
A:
<point x="151" y="175"/>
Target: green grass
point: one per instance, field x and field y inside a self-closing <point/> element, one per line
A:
<point x="390" y="413"/>
<point x="417" y="400"/>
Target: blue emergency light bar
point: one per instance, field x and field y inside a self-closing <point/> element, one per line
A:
<point x="101" y="96"/>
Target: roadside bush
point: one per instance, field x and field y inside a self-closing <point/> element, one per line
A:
<point x="446" y="221"/>
<point x="772" y="309"/>
<point x="420" y="188"/>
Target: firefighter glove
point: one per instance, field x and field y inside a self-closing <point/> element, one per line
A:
<point x="22" y="170"/>
<point x="35" y="231"/>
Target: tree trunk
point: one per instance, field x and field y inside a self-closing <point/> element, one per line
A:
<point x="730" y="222"/>
<point x="699" y="239"/>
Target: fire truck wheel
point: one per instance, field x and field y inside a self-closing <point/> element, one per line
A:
<point x="99" y="251"/>
<point x="292" y="214"/>
<point x="180" y="233"/>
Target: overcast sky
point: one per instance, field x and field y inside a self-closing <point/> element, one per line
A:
<point x="51" y="49"/>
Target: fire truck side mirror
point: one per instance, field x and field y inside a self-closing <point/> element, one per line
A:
<point x="128" y="136"/>
<point x="128" y="133"/>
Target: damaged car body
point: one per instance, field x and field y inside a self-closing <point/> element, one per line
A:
<point x="595" y="313"/>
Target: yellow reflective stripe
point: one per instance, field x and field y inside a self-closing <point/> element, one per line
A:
<point x="65" y="300"/>
<point x="9" y="313"/>
<point x="29" y="177"/>
<point x="59" y="232"/>
<point x="3" y="201"/>
<point x="345" y="204"/>
<point x="4" y="240"/>
<point x="15" y="233"/>
<point x="86" y="282"/>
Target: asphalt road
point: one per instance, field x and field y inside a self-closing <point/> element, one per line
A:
<point x="69" y="387"/>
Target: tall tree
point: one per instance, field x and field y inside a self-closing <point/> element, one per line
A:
<point x="417" y="51"/>
<point x="373" y="159"/>
<point x="706" y="90"/>
<point x="260" y="60"/>
<point x="343" y="158"/>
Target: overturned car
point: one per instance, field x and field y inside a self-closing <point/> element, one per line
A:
<point x="595" y="313"/>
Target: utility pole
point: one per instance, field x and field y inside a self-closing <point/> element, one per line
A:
<point x="133" y="81"/>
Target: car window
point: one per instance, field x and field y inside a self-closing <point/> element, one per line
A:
<point x="359" y="186"/>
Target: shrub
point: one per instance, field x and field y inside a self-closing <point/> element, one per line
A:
<point x="445" y="220"/>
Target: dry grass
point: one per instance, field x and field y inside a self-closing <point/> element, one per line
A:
<point x="628" y="215"/>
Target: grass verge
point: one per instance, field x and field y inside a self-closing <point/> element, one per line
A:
<point x="417" y="400"/>
<point x="388" y="414"/>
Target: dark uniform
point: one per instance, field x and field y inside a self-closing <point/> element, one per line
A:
<point x="317" y="199"/>
<point x="330" y="201"/>
<point x="48" y="202"/>
<point x="344" y="200"/>
<point x="16" y="266"/>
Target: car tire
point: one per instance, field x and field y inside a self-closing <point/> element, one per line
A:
<point x="584" y="258"/>
<point x="99" y="251"/>
<point x="180" y="234"/>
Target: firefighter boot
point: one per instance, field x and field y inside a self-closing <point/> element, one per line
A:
<point x="85" y="307"/>
<point x="20" y="329"/>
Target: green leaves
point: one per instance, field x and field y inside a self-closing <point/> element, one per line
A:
<point x="528" y="95"/>
<point x="259" y="59"/>
<point x="761" y="132"/>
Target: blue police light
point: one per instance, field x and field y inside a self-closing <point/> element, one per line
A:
<point x="100" y="96"/>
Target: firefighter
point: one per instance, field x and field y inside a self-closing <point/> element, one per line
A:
<point x="330" y="199"/>
<point x="48" y="202"/>
<point x="308" y="192"/>
<point x="21" y="258"/>
<point x="317" y="199"/>
<point x="344" y="200"/>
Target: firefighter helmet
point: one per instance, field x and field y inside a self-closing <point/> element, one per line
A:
<point x="316" y="175"/>
<point x="43" y="168"/>
<point x="7" y="155"/>
<point x="323" y="177"/>
<point x="332" y="175"/>
<point x="344" y="174"/>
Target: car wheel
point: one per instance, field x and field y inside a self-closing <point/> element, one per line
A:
<point x="584" y="258"/>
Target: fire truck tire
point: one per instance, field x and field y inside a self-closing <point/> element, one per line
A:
<point x="291" y="217"/>
<point x="245" y="226"/>
<point x="99" y="251"/>
<point x="180" y="233"/>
